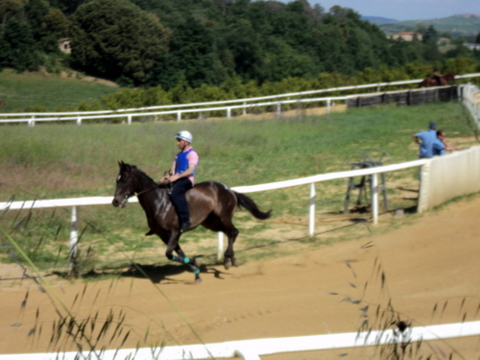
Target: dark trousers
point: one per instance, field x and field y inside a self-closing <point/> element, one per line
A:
<point x="179" y="201"/>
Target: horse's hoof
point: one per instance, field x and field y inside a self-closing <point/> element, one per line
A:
<point x="227" y="263"/>
<point x="198" y="279"/>
<point x="236" y="263"/>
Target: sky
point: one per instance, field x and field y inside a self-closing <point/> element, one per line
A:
<point x="405" y="9"/>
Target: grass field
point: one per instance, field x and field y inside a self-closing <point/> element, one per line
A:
<point x="26" y="91"/>
<point x="59" y="161"/>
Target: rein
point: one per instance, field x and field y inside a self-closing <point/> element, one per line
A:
<point x="151" y="188"/>
<point x="144" y="191"/>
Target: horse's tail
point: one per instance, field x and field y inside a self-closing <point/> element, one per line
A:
<point x="248" y="204"/>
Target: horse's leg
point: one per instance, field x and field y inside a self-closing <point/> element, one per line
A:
<point x="180" y="257"/>
<point x="229" y="257"/>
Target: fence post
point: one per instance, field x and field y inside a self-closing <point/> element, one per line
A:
<point x="179" y="116"/>
<point x="328" y="106"/>
<point x="129" y="119"/>
<point x="220" y="246"/>
<point x="311" y="224"/>
<point x="31" y="122"/>
<point x="79" y="121"/>
<point x="229" y="113"/>
<point x="279" y="108"/>
<point x="244" y="108"/>
<point x="375" y="198"/>
<point x="73" y="241"/>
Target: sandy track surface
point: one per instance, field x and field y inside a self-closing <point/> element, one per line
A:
<point x="429" y="264"/>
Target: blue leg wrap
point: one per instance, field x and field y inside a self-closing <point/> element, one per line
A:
<point x="196" y="271"/>
<point x="174" y="257"/>
<point x="186" y="260"/>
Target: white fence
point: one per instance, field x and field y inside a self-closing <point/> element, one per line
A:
<point x="253" y="349"/>
<point x="470" y="95"/>
<point x="460" y="175"/>
<point x="199" y="108"/>
<point x="311" y="181"/>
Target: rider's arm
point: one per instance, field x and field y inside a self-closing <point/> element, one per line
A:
<point x="186" y="173"/>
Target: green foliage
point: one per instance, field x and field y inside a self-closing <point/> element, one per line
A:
<point x="190" y="43"/>
<point x="115" y="38"/>
<point x="17" y="46"/>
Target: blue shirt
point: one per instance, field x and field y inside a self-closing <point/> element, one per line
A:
<point x="426" y="147"/>
<point x="438" y="147"/>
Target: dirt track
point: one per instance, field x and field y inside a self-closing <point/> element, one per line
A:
<point x="432" y="261"/>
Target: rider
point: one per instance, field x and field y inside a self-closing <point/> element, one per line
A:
<point x="182" y="177"/>
<point x="437" y="76"/>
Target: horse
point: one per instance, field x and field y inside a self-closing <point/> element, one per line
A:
<point x="211" y="205"/>
<point x="445" y="80"/>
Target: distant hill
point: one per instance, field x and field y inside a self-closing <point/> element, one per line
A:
<point x="378" y="19"/>
<point x="466" y="25"/>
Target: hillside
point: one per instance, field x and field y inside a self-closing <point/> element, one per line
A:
<point x="198" y="43"/>
<point x="378" y="19"/>
<point x="465" y="25"/>
<point x="40" y="91"/>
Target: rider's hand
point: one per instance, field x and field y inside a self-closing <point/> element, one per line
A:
<point x="164" y="178"/>
<point x="173" y="178"/>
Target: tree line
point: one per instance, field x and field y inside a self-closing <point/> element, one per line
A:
<point x="176" y="44"/>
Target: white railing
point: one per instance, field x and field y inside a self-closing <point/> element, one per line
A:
<point x="470" y="95"/>
<point x="311" y="181"/>
<point x="129" y="114"/>
<point x="253" y="349"/>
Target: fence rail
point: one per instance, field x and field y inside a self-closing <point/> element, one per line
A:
<point x="311" y="181"/>
<point x="253" y="349"/>
<point x="248" y="103"/>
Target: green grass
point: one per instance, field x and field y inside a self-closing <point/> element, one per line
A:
<point x="60" y="161"/>
<point x="25" y="91"/>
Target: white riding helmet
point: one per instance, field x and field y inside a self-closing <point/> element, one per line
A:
<point x="184" y="135"/>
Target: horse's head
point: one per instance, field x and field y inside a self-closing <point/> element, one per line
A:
<point x="125" y="184"/>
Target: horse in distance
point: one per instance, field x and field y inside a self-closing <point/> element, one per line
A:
<point x="446" y="79"/>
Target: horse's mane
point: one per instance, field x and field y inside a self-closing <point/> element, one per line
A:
<point x="142" y="174"/>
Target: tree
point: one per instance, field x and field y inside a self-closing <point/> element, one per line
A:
<point x="114" y="38"/>
<point x="245" y="46"/>
<point x="9" y="8"/>
<point x="430" y="35"/>
<point x="67" y="6"/>
<point x="477" y="40"/>
<point x="17" y="47"/>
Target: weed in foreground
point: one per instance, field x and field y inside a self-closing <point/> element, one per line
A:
<point x="391" y="329"/>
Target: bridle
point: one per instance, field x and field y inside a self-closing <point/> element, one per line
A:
<point x="128" y="194"/>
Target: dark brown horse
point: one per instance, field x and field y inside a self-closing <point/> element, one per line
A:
<point x="211" y="205"/>
<point x="445" y="80"/>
